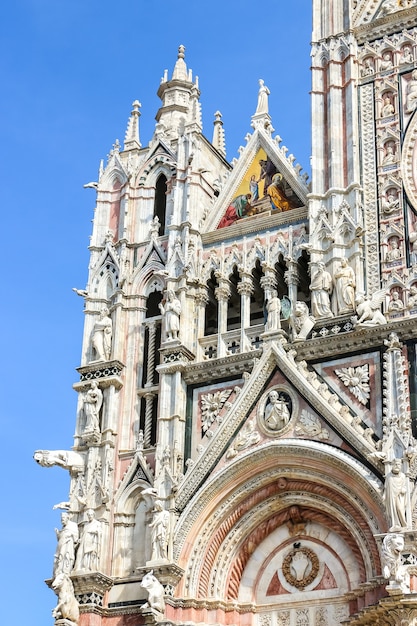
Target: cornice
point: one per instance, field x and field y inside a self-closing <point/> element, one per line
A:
<point x="218" y="368"/>
<point x="363" y="340"/>
<point x="387" y="25"/>
<point x="254" y="224"/>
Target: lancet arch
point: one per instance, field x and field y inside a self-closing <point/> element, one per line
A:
<point x="105" y="280"/>
<point x="131" y="512"/>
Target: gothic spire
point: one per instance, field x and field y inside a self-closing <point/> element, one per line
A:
<point x="180" y="69"/>
<point x="132" y="132"/>
<point x="180" y="98"/>
<point x="218" y="134"/>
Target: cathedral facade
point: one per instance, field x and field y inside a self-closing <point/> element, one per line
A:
<point x="245" y="448"/>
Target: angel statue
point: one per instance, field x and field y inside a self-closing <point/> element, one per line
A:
<point x="368" y="310"/>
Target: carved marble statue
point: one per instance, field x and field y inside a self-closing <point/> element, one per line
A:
<point x="273" y="308"/>
<point x="412" y="299"/>
<point x="159" y="528"/>
<point x="171" y="309"/>
<point x="368" y="311"/>
<point x="386" y="62"/>
<point x="368" y="67"/>
<point x="276" y="414"/>
<point x="65" y="551"/>
<point x="154" y="227"/>
<point x="155" y="592"/>
<point x="102" y="336"/>
<point x="68" y="459"/>
<point x="321" y="287"/>
<point x="345" y="284"/>
<point x="389" y="156"/>
<point x="92" y="404"/>
<point x="391" y="203"/>
<point x="301" y="322"/>
<point x="395" y="496"/>
<point x="263" y="94"/>
<point x="413" y="241"/>
<point x="411" y="93"/>
<point x="392" y="568"/>
<point x="407" y="54"/>
<point x="395" y="304"/>
<point x="394" y="253"/>
<point x="67" y="607"/>
<point x="387" y="108"/>
<point x="88" y="555"/>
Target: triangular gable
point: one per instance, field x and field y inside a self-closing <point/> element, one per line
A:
<point x="102" y="273"/>
<point x="318" y="395"/>
<point x="367" y="11"/>
<point x="114" y="171"/>
<point x="138" y="470"/>
<point x="159" y="149"/>
<point x="153" y="254"/>
<point x="250" y="176"/>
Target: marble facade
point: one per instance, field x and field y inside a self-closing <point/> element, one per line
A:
<point x="245" y="447"/>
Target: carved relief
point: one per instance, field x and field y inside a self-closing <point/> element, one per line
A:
<point x="247" y="437"/>
<point x="368" y="312"/>
<point x="356" y="379"/>
<point x="283" y="618"/>
<point x="211" y="405"/>
<point x="369" y="187"/>
<point x="277" y="411"/>
<point x="300" y="567"/>
<point x="309" y="425"/>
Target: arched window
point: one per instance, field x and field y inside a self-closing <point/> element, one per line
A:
<point x="234" y="304"/>
<point x="281" y="268"/>
<point x="115" y="209"/>
<point x="150" y="376"/>
<point x="211" y="319"/>
<point x="257" y="312"/>
<point x="303" y="277"/>
<point x="160" y="205"/>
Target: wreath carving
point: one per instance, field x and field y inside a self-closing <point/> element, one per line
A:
<point x="300" y="567"/>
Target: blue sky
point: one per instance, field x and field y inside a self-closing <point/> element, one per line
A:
<point x="70" y="71"/>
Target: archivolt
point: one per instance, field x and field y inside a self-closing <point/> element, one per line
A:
<point x="254" y="496"/>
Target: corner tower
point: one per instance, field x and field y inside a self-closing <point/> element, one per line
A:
<point x="244" y="449"/>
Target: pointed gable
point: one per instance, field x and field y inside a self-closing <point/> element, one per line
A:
<point x="264" y="171"/>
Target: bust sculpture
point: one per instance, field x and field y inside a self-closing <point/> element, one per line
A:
<point x="276" y="414"/>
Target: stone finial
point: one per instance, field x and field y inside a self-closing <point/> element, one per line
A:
<point x="218" y="134"/>
<point x="194" y="114"/>
<point x="132" y="132"/>
<point x="180" y="69"/>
